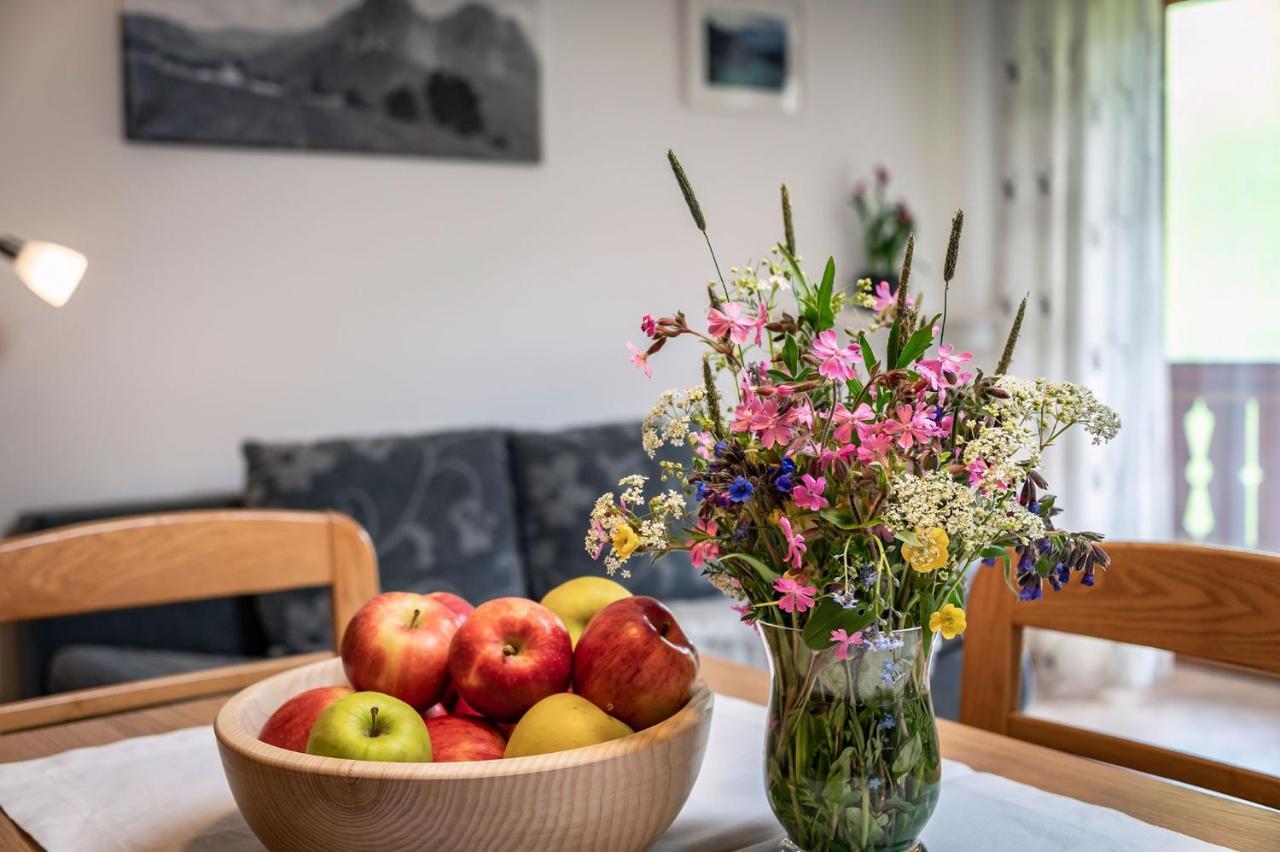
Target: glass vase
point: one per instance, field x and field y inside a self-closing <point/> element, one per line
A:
<point x="851" y="754"/>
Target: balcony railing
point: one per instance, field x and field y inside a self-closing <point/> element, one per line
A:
<point x="1226" y="444"/>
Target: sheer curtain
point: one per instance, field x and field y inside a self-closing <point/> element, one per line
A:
<point x="1078" y="226"/>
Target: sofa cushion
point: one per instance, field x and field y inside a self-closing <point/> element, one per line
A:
<point x="438" y="507"/>
<point x="85" y="666"/>
<point x="558" y="477"/>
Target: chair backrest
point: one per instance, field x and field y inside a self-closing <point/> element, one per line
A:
<point x="167" y="558"/>
<point x="1211" y="603"/>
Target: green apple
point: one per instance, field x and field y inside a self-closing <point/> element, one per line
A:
<point x="577" y="601"/>
<point x="371" y="726"/>
<point x="561" y="722"/>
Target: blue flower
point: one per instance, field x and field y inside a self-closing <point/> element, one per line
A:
<point x="846" y="599"/>
<point x="784" y="483"/>
<point x="868" y="574"/>
<point x="889" y="672"/>
<point x="873" y="783"/>
<point x="1059" y="576"/>
<point x="740" y="490"/>
<point x="700" y="493"/>
<point x="1086" y="579"/>
<point x="1034" y="507"/>
<point x="787" y="465"/>
<point x="1029" y="587"/>
<point x="721" y="446"/>
<point x="887" y="723"/>
<point x="989" y="560"/>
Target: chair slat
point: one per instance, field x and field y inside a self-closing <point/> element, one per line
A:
<point x="167" y="558"/>
<point x="1213" y="603"/>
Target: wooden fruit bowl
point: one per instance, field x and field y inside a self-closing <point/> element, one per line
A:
<point x="619" y="795"/>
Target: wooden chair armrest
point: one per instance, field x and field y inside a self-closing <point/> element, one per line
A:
<point x="118" y="697"/>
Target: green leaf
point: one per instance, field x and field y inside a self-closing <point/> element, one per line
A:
<point x="893" y="348"/>
<point x="907" y="536"/>
<point x="916" y="346"/>
<point x="994" y="552"/>
<point x="791" y="354"/>
<point x="829" y="615"/>
<point x="868" y="356"/>
<point x="765" y="572"/>
<point x="826" y="317"/>
<point x="838" y="778"/>
<point x="841" y="518"/>
<point x="798" y="282"/>
<point x="908" y="756"/>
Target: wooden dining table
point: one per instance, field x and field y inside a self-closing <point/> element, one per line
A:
<point x="1226" y="822"/>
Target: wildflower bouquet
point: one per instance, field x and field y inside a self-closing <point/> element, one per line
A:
<point x="838" y="495"/>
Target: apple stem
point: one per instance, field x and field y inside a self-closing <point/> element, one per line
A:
<point x="373" y="721"/>
<point x="413" y="622"/>
<point x="508" y="650"/>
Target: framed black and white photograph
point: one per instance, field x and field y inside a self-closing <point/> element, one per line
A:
<point x="434" y="78"/>
<point x="743" y="54"/>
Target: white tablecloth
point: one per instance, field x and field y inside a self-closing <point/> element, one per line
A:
<point x="167" y="792"/>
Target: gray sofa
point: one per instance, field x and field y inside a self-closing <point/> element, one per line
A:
<point x="482" y="513"/>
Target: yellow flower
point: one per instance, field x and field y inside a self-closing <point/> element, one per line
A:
<point x="931" y="553"/>
<point x="949" y="620"/>
<point x="624" y="540"/>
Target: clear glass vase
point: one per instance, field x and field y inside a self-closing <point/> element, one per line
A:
<point x="851" y="754"/>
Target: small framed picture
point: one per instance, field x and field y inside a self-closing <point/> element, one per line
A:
<point x="743" y="54"/>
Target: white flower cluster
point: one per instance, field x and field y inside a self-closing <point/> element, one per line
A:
<point x="971" y="521"/>
<point x="619" y="526"/>
<point x="1008" y="451"/>
<point x="670" y="419"/>
<point x="1056" y="406"/>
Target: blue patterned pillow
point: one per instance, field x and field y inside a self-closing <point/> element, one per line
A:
<point x="439" y="508"/>
<point x="558" y="477"/>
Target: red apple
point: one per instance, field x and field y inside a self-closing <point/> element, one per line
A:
<point x="291" y="724"/>
<point x="454" y="739"/>
<point x="435" y="711"/>
<point x="457" y="604"/>
<point x="398" y="644"/>
<point x="509" y="655"/>
<point x="635" y="663"/>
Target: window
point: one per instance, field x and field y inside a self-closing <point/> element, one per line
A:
<point x="1222" y="266"/>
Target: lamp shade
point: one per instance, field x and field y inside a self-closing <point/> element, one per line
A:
<point x="52" y="271"/>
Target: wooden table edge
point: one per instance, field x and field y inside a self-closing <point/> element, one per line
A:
<point x="1188" y="811"/>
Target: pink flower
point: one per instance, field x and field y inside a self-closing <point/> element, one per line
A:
<point x="977" y="469"/>
<point x="648" y="325"/>
<point x="640" y="359"/>
<point x="762" y="317"/>
<point x="828" y="458"/>
<point x="844" y="642"/>
<point x="795" y="597"/>
<point x="745" y="611"/>
<point x="704" y="444"/>
<point x="808" y="495"/>
<point x="844" y="421"/>
<point x="837" y="362"/>
<point x="945" y="370"/>
<point x="875" y="447"/>
<point x="796" y="547"/>
<point x="884" y="298"/>
<point x="730" y="322"/>
<point x="911" y="426"/>
<point x="762" y="417"/>
<point x="705" y="549"/>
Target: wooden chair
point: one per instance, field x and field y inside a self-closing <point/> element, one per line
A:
<point x="166" y="558"/>
<point x="1211" y="603"/>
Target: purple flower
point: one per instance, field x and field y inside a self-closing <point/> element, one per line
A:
<point x="868" y="574"/>
<point x="787" y="465"/>
<point x="1059" y="576"/>
<point x="784" y="483"/>
<point x="1029" y="588"/>
<point x="740" y="490"/>
<point x="700" y="493"/>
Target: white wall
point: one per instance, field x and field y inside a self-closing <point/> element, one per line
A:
<point x="278" y="295"/>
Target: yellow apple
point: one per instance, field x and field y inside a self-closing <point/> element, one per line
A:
<point x="577" y="601"/>
<point x="561" y="722"/>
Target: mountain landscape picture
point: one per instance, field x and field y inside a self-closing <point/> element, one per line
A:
<point x="437" y="78"/>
